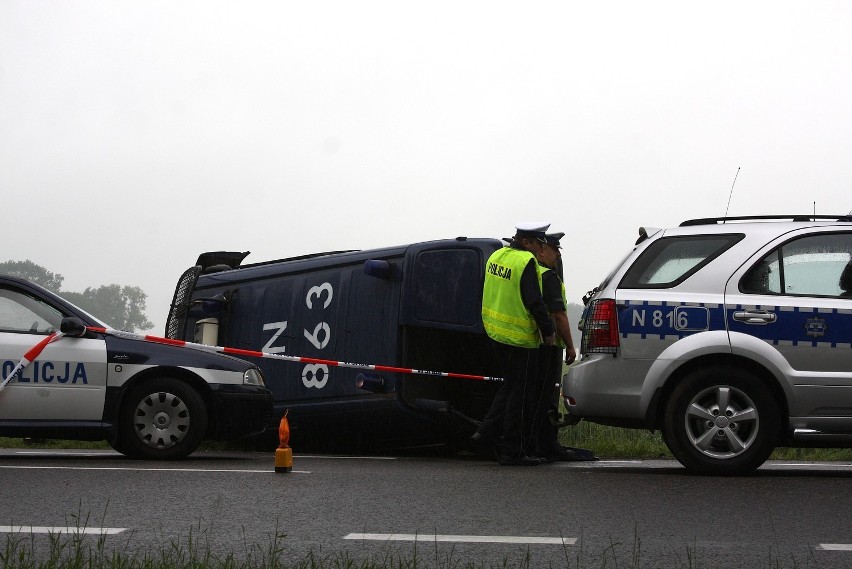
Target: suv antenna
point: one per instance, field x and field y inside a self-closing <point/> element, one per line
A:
<point x="732" y="192"/>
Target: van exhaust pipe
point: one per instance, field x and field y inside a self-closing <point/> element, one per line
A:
<point x="371" y="383"/>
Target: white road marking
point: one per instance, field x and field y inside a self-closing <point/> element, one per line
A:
<point x="834" y="547"/>
<point x="108" y="453"/>
<point x="138" y="469"/>
<point x="515" y="539"/>
<point x="809" y="464"/>
<point x="61" y="529"/>
<point x="67" y="453"/>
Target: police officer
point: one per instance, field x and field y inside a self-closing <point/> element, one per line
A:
<point x="545" y="435"/>
<point x="516" y="319"/>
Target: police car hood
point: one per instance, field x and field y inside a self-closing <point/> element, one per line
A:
<point x="136" y="351"/>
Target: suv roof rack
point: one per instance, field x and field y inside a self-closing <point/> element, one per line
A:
<point x="808" y="217"/>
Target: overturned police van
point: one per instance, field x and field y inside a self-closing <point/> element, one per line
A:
<point x="412" y="306"/>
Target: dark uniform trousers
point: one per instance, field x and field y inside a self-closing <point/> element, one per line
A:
<point x="511" y="413"/>
<point x="545" y="436"/>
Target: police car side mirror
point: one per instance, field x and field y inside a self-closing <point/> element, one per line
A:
<point x="72" y="326"/>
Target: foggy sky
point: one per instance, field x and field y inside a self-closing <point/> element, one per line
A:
<point x="136" y="135"/>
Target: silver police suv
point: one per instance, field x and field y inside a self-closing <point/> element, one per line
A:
<point x="731" y="336"/>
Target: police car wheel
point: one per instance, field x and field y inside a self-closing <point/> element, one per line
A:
<point x="721" y="420"/>
<point x="161" y="419"/>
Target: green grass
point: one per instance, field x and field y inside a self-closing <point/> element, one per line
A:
<point x="12" y="442"/>
<point x="614" y="442"/>
<point x="605" y="441"/>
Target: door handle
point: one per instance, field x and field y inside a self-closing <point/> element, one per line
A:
<point x="755" y="316"/>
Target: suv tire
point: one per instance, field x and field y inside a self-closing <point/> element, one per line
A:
<point x="161" y="419"/>
<point x="721" y="420"/>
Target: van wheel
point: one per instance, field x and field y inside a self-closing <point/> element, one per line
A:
<point x="161" y="419"/>
<point x="721" y="420"/>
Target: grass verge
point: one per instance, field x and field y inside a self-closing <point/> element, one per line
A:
<point x="605" y="441"/>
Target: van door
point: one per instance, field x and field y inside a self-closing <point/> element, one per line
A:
<point x="442" y="324"/>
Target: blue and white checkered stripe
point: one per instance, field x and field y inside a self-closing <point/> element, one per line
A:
<point x="794" y="326"/>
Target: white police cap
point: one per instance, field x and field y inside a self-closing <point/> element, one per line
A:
<point x="534" y="229"/>
<point x="553" y="239"/>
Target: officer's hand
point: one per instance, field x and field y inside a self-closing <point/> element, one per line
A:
<point x="570" y="355"/>
<point x="550" y="340"/>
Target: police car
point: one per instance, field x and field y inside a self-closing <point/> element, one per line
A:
<point x="148" y="400"/>
<point x="731" y="335"/>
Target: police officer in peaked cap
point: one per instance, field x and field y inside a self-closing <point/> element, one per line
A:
<point x="517" y="320"/>
<point x="545" y="435"/>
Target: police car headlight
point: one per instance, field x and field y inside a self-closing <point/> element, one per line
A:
<point x="253" y="377"/>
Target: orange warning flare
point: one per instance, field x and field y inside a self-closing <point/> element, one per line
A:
<point x="284" y="432"/>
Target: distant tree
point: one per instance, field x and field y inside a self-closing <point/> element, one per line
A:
<point x="35" y="273"/>
<point x="122" y="307"/>
<point x="575" y="314"/>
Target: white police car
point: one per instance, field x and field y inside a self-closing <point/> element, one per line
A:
<point x="147" y="400"/>
<point x="732" y="336"/>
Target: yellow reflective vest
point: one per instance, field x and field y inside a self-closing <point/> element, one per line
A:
<point x="504" y="315"/>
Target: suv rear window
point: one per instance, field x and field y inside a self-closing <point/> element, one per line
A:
<point x="669" y="261"/>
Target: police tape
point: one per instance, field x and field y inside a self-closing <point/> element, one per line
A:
<point x="30" y="356"/>
<point x="300" y="359"/>
<point x="33" y="353"/>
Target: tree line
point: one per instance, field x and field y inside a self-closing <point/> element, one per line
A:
<point x="122" y="307"/>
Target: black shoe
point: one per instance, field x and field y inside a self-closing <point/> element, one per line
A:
<point x="563" y="455"/>
<point x="519" y="461"/>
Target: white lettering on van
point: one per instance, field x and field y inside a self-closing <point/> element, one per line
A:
<point x="316" y="375"/>
<point x="321" y="328"/>
<point x="268" y="347"/>
<point x="316" y="291"/>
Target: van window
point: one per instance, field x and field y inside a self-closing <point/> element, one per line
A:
<point x="669" y="261"/>
<point x="445" y="291"/>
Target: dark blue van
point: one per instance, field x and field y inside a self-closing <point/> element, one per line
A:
<point x="413" y="306"/>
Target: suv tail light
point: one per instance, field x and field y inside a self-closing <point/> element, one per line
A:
<point x="600" y="331"/>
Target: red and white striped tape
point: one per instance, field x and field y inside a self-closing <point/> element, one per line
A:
<point x="30" y="356"/>
<point x="34" y="352"/>
<point x="252" y="353"/>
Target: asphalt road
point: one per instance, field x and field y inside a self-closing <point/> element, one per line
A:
<point x="446" y="511"/>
